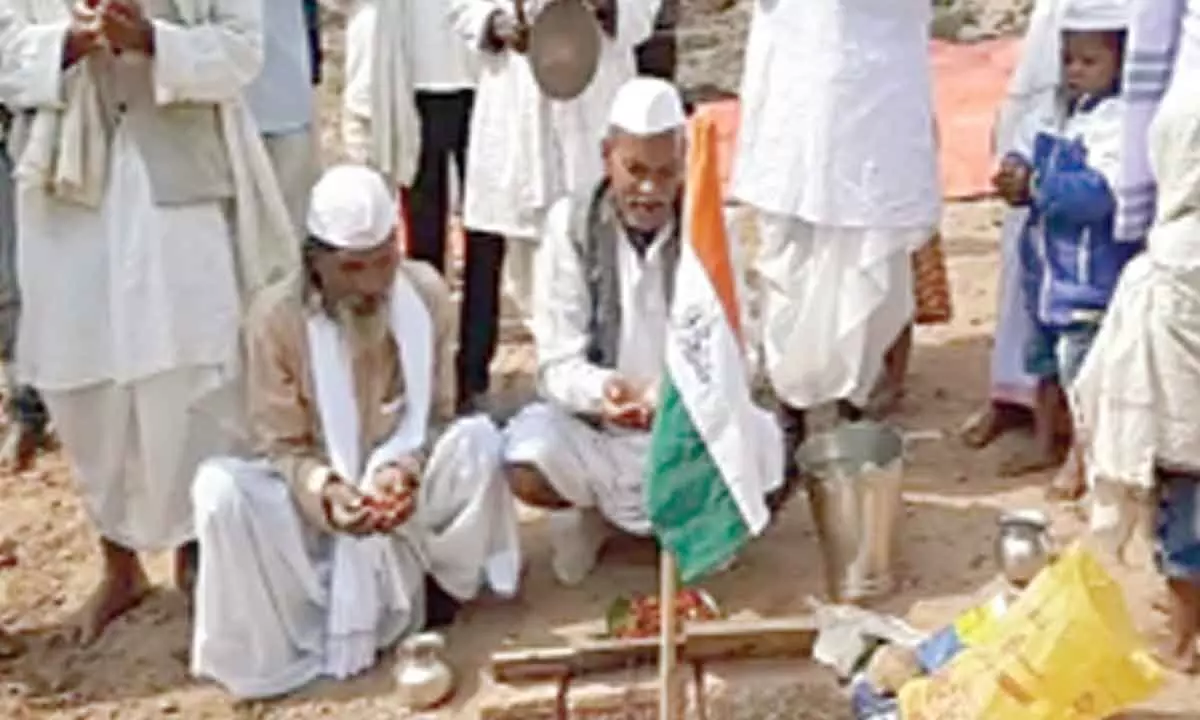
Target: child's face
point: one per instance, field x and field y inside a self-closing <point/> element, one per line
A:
<point x="1091" y="62"/>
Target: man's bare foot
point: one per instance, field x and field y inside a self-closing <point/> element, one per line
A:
<point x="10" y="646"/>
<point x="121" y="589"/>
<point x="187" y="564"/>
<point x="885" y="400"/>
<point x="1179" y="656"/>
<point x="1027" y="461"/>
<point x="1069" y="484"/>
<point x="19" y="449"/>
<point x="982" y="428"/>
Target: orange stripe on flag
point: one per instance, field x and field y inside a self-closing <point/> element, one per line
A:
<point x="704" y="221"/>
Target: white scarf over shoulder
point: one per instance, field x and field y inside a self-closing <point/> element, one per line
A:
<point x="365" y="585"/>
<point x="379" y="86"/>
<point x="66" y="150"/>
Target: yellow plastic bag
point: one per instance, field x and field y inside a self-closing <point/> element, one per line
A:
<point x="1066" y="650"/>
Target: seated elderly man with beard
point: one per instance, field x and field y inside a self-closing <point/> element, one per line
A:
<point x="604" y="278"/>
<point x="362" y="515"/>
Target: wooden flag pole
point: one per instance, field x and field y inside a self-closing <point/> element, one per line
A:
<point x="668" y="704"/>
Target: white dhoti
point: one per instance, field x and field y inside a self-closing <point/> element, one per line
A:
<point x="130" y="316"/>
<point x="264" y="584"/>
<point x="519" y="253"/>
<point x="833" y="301"/>
<point x="134" y="450"/>
<point x="589" y="467"/>
<point x="1010" y="383"/>
<point x="295" y="158"/>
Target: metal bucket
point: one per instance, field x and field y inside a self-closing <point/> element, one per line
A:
<point x="853" y="478"/>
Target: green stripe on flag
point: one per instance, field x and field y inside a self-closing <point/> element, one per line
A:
<point x="690" y="507"/>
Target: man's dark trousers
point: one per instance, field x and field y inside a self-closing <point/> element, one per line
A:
<point x="445" y="131"/>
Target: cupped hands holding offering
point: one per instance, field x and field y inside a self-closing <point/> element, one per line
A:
<point x="626" y="406"/>
<point x="126" y="27"/>
<point x="393" y="496"/>
<point x="385" y="506"/>
<point x="117" y="24"/>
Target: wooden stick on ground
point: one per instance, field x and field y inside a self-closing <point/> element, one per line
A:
<point x="668" y="708"/>
<point x="715" y="641"/>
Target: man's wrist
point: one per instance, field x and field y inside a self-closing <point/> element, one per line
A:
<point x="148" y="37"/>
<point x="77" y="44"/>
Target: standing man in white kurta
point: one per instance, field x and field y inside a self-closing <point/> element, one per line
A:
<point x="837" y="156"/>
<point x="320" y="552"/>
<point x="527" y="151"/>
<point x="125" y="166"/>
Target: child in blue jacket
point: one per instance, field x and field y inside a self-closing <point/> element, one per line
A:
<point x="1070" y="260"/>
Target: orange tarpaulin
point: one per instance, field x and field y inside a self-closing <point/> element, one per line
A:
<point x="969" y="85"/>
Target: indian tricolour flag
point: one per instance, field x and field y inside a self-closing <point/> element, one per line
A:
<point x="713" y="451"/>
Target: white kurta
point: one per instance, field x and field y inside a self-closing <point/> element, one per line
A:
<point x="263" y="591"/>
<point x="526" y="150"/>
<point x="837" y="113"/>
<point x="588" y="465"/>
<point x="130" y="310"/>
<point x="836" y="151"/>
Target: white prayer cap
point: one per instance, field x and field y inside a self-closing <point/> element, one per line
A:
<point x="1095" y="15"/>
<point x="351" y="208"/>
<point x="647" y="106"/>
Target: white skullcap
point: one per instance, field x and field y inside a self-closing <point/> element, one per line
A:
<point x="1095" y="15"/>
<point x="351" y="208"/>
<point x="647" y="106"/>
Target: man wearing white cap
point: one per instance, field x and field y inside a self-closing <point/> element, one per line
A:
<point x="527" y="151"/>
<point x="604" y="278"/>
<point x="316" y="555"/>
<point x="837" y="155"/>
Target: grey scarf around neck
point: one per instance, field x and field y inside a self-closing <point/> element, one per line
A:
<point x="595" y="231"/>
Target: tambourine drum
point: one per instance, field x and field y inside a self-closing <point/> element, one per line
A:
<point x="564" y="48"/>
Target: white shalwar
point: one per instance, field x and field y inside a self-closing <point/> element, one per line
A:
<point x="592" y="466"/>
<point x="528" y="151"/>
<point x="264" y="591"/>
<point x="130" y="310"/>
<point x="836" y="152"/>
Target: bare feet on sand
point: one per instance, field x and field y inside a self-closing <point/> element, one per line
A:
<point x="10" y="647"/>
<point x="187" y="564"/>
<point x="982" y="428"/>
<point x="123" y="586"/>
<point x="1069" y="484"/>
<point x="19" y="449"/>
<point x="885" y="400"/>
<point x="1179" y="656"/>
<point x="1028" y="460"/>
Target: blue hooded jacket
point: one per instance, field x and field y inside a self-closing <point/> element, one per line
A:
<point x="1069" y="257"/>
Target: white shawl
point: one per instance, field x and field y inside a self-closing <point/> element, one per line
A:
<point x="378" y="67"/>
<point x="66" y="150"/>
<point x="366" y="585"/>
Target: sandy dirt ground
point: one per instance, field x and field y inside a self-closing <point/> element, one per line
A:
<point x="139" y="668"/>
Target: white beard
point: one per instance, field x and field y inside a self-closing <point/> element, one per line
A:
<point x="363" y="331"/>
